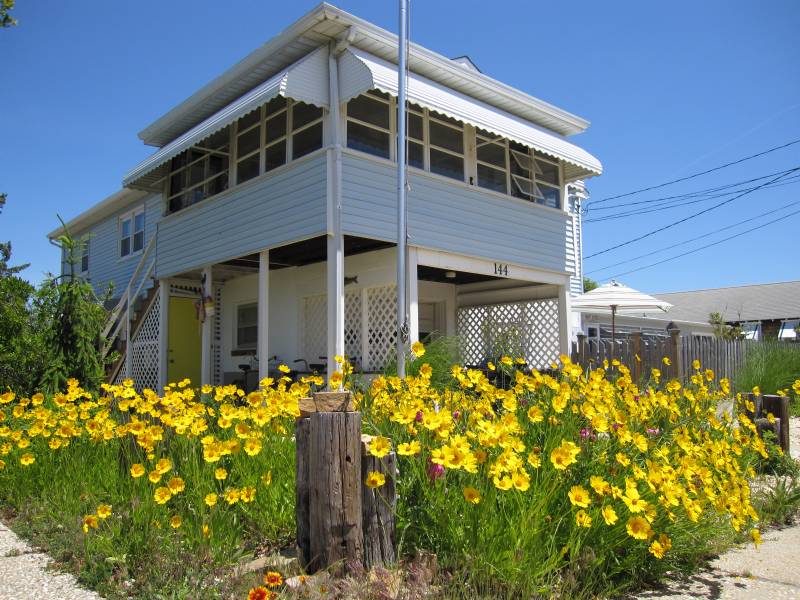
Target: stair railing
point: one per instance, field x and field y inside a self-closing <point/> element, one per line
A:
<point x="114" y="324"/>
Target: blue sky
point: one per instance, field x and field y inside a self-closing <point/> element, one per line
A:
<point x="670" y="88"/>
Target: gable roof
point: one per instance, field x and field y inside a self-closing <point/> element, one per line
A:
<point x="741" y="303"/>
<point x="327" y="23"/>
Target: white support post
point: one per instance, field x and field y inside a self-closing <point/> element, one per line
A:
<point x="263" y="314"/>
<point x="335" y="238"/>
<point x="163" y="332"/>
<point x="564" y="319"/>
<point x="413" y="296"/>
<point x="206" y="350"/>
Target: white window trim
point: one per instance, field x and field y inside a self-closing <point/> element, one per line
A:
<point x="85" y="250"/>
<point x="131" y="214"/>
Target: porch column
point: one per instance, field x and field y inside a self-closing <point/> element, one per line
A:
<point x="163" y="332"/>
<point x="206" y="354"/>
<point x="564" y="319"/>
<point x="413" y="296"/>
<point x="263" y="314"/>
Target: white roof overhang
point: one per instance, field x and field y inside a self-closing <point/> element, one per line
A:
<point x="360" y="71"/>
<point x="306" y="81"/>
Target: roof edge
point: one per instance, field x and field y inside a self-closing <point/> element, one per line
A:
<point x="102" y="209"/>
<point x="572" y="123"/>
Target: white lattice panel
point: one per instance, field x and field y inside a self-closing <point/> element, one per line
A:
<point x="529" y="328"/>
<point x="218" y="336"/>
<point x="352" y="326"/>
<point x="381" y="326"/>
<point x="144" y="349"/>
<point x="315" y="327"/>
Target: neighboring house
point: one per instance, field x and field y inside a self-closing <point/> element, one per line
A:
<point x="273" y="194"/>
<point x="763" y="311"/>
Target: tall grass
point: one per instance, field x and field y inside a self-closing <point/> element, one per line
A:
<point x="771" y="366"/>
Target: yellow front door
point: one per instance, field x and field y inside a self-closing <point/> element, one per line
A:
<point x="184" y="341"/>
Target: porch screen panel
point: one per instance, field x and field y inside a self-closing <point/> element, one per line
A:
<point x="144" y="347"/>
<point x="381" y="327"/>
<point x="315" y="327"/>
<point x="529" y="329"/>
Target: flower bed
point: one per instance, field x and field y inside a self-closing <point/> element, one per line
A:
<point x="572" y="483"/>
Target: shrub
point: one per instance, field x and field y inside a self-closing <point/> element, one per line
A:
<point x="770" y="366"/>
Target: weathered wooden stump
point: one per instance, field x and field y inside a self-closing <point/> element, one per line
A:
<point x="778" y="407"/>
<point x="341" y="523"/>
<point x="379" y="507"/>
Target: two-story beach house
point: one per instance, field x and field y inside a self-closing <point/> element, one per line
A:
<point x="263" y="228"/>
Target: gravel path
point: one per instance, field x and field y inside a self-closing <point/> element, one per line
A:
<point x="24" y="573"/>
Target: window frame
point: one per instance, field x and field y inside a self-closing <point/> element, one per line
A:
<point x="185" y="172"/>
<point x="391" y="131"/>
<point x="237" y="346"/>
<point x="130" y="216"/>
<point x="85" y="255"/>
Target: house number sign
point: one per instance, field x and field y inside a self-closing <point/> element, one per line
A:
<point x="501" y="269"/>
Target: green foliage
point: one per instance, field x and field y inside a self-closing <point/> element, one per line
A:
<point x="589" y="284"/>
<point x="73" y="340"/>
<point x="722" y="329"/>
<point x="777" y="462"/>
<point x="771" y="366"/>
<point x="440" y="354"/>
<point x="779" y="504"/>
<point x="6" y="20"/>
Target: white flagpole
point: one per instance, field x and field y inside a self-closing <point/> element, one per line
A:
<point x="402" y="318"/>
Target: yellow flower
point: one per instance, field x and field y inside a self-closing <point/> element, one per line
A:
<point x="564" y="455"/>
<point x="232" y="496"/>
<point x="380" y="446"/>
<point x="104" y="511"/>
<point x="137" y="470"/>
<point x="535" y="414"/>
<point x="375" y="479"/>
<point x="418" y="348"/>
<point x="154" y="476"/>
<point x="273" y="579"/>
<point x="162" y="495"/>
<point x="220" y="474"/>
<point x="609" y="515"/>
<point x="521" y="481"/>
<point x="252" y="447"/>
<point x="409" y="449"/>
<point x="622" y="459"/>
<point x="638" y="528"/>
<point x="176" y="485"/>
<point x="175" y="522"/>
<point x="582" y="519"/>
<point x="756" y="391"/>
<point x="696" y="364"/>
<point x="284" y="369"/>
<point x="164" y="465"/>
<point x="503" y="483"/>
<point x="210" y="499"/>
<point x="248" y="494"/>
<point x="666" y="361"/>
<point x="579" y="496"/>
<point x="339" y="359"/>
<point x="755" y="535"/>
<point x="535" y="458"/>
<point x="90" y="521"/>
<point x="506" y="360"/>
<point x="472" y="495"/>
<point x="27" y="459"/>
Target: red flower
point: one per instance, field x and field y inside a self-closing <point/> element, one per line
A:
<point x="258" y="593"/>
<point x="273" y="579"/>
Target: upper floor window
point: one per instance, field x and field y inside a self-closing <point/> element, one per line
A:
<point x="369" y="124"/>
<point x="446" y="142"/>
<point x="534" y="177"/>
<point x="492" y="161"/>
<point x="85" y="255"/>
<point x="131" y="232"/>
<point x="199" y="172"/>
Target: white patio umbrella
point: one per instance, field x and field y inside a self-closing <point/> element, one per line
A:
<point x="619" y="298"/>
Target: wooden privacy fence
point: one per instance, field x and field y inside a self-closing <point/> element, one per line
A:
<point x="643" y="353"/>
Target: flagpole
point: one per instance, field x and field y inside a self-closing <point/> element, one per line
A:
<point x="402" y="267"/>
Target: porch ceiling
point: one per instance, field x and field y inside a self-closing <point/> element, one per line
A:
<point x="457" y="277"/>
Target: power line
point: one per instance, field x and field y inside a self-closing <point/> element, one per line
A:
<point x="681" y="255"/>
<point x="706" y="172"/>
<point x="694" y="239"/>
<point x="686" y="195"/>
<point x="692" y="216"/>
<point x="685" y="202"/>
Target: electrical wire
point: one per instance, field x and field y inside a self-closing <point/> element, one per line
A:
<point x="681" y="255"/>
<point x="692" y="216"/>
<point x="676" y="204"/>
<point x="694" y="239"/>
<point x="706" y="172"/>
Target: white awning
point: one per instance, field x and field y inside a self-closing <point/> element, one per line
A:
<point x="360" y="71"/>
<point x="306" y="80"/>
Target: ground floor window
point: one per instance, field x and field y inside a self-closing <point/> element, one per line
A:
<point x="246" y="326"/>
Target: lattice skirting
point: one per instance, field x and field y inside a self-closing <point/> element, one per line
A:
<point x="144" y="348"/>
<point x="528" y="329"/>
<point x="369" y="327"/>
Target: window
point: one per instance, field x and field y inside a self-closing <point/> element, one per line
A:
<point x="246" y="326"/>
<point x="306" y="129"/>
<point x="248" y="146"/>
<point x="415" y="133"/>
<point x="368" y="124"/>
<point x="492" y="155"/>
<point x="534" y="177"/>
<point x="131" y="233"/>
<point x="199" y="172"/>
<point x="446" y="146"/>
<point x="85" y="255"/>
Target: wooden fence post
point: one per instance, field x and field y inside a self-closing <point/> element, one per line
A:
<point x="779" y="407"/>
<point x="636" y="359"/>
<point x="675" y="352"/>
<point x="379" y="509"/>
<point x="302" y="454"/>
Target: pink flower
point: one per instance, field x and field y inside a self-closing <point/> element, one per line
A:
<point x="435" y="471"/>
<point x="418" y="418"/>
